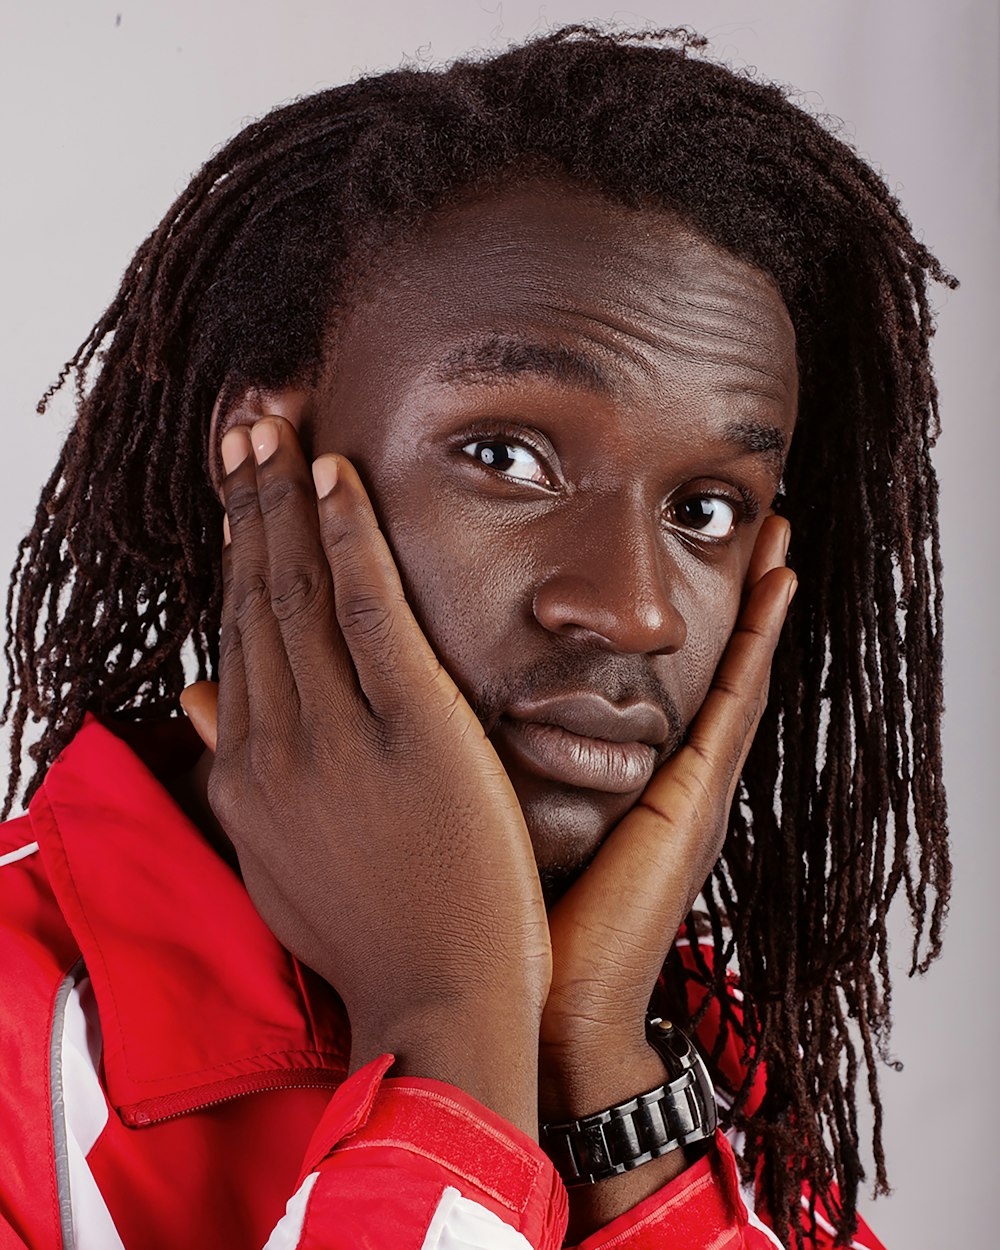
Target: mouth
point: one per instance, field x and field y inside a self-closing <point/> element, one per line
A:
<point x="584" y="741"/>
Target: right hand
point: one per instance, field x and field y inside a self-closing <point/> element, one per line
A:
<point x="376" y="829"/>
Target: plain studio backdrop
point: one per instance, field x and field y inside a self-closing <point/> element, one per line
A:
<point x="109" y="107"/>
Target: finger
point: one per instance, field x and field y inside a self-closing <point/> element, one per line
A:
<point x="246" y="588"/>
<point x="771" y="549"/>
<point x="301" y="589"/>
<point x="200" y="704"/>
<point x="723" y="730"/>
<point x="640" y="882"/>
<point x="233" y="713"/>
<point x="387" y="646"/>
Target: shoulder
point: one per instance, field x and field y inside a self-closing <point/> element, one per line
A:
<point x="36" y="946"/>
<point x="22" y="874"/>
<point x="17" y="840"/>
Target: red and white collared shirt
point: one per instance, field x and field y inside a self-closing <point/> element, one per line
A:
<point x="174" y="1078"/>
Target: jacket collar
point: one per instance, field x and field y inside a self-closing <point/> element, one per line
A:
<point x="198" y="1002"/>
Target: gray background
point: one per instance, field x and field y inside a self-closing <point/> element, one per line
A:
<point x="109" y="107"/>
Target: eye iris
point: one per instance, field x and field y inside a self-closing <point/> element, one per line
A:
<point x="496" y="455"/>
<point x="698" y="513"/>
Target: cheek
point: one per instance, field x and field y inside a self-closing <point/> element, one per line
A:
<point x="711" y="617"/>
<point x="469" y="588"/>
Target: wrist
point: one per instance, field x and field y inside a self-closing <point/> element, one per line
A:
<point x="464" y="1046"/>
<point x="650" y="1124"/>
<point x="584" y="1074"/>
<point x="573" y="1090"/>
<point x="588" y="1082"/>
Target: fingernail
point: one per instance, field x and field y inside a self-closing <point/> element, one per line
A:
<point x="325" y="474"/>
<point x="786" y="540"/>
<point x="235" y="448"/>
<point x="227" y="537"/>
<point x="264" y="437"/>
<point x="793" y="586"/>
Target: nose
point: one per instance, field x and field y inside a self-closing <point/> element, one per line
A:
<point x="609" y="582"/>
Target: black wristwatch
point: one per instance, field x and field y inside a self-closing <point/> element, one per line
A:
<point x="680" y="1113"/>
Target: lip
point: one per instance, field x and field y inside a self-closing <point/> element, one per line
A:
<point x="585" y="741"/>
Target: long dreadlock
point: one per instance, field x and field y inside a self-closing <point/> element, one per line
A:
<point x="841" y="802"/>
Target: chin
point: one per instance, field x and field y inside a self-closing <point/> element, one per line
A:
<point x="567" y="827"/>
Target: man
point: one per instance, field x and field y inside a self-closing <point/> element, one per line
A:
<point x="575" y="320"/>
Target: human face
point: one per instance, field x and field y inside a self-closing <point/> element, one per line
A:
<point x="572" y="419"/>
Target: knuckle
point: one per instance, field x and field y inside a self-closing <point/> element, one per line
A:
<point x="657" y="810"/>
<point x="241" y="503"/>
<point x="294" y="592"/>
<point x="338" y="537"/>
<point x="730" y="689"/>
<point x="224" y="790"/>
<point x="755" y="630"/>
<point x="249" y="596"/>
<point x="698" y="793"/>
<point x="365" y="617"/>
<point x="273" y="493"/>
<point x="350" y="532"/>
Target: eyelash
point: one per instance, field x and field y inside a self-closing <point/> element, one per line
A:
<point x="501" y="434"/>
<point x="745" y="505"/>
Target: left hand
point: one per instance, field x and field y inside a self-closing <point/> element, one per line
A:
<point x="613" y="929"/>
<point x="611" y="932"/>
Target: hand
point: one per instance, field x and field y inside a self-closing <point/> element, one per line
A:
<point x="613" y="929"/>
<point x="377" y="832"/>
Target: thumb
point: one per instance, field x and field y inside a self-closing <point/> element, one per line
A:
<point x="200" y="704"/>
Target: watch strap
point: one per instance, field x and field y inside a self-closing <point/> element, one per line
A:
<point x="680" y="1113"/>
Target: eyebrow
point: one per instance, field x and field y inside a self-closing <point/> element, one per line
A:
<point x="758" y="438"/>
<point x="500" y="357"/>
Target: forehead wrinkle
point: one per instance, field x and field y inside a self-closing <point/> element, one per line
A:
<point x="628" y="327"/>
<point x="695" y="341"/>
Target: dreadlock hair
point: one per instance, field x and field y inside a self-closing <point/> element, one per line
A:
<point x="841" y="802"/>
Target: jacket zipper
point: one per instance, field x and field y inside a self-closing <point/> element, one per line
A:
<point x="144" y="1115"/>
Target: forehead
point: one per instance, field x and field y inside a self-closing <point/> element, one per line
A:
<point x="547" y="278"/>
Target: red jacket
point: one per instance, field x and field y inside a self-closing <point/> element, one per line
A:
<point x="173" y="1079"/>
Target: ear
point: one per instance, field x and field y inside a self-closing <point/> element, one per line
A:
<point x="247" y="408"/>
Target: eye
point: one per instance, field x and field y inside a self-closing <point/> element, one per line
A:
<point x="710" y="515"/>
<point x="511" y="459"/>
